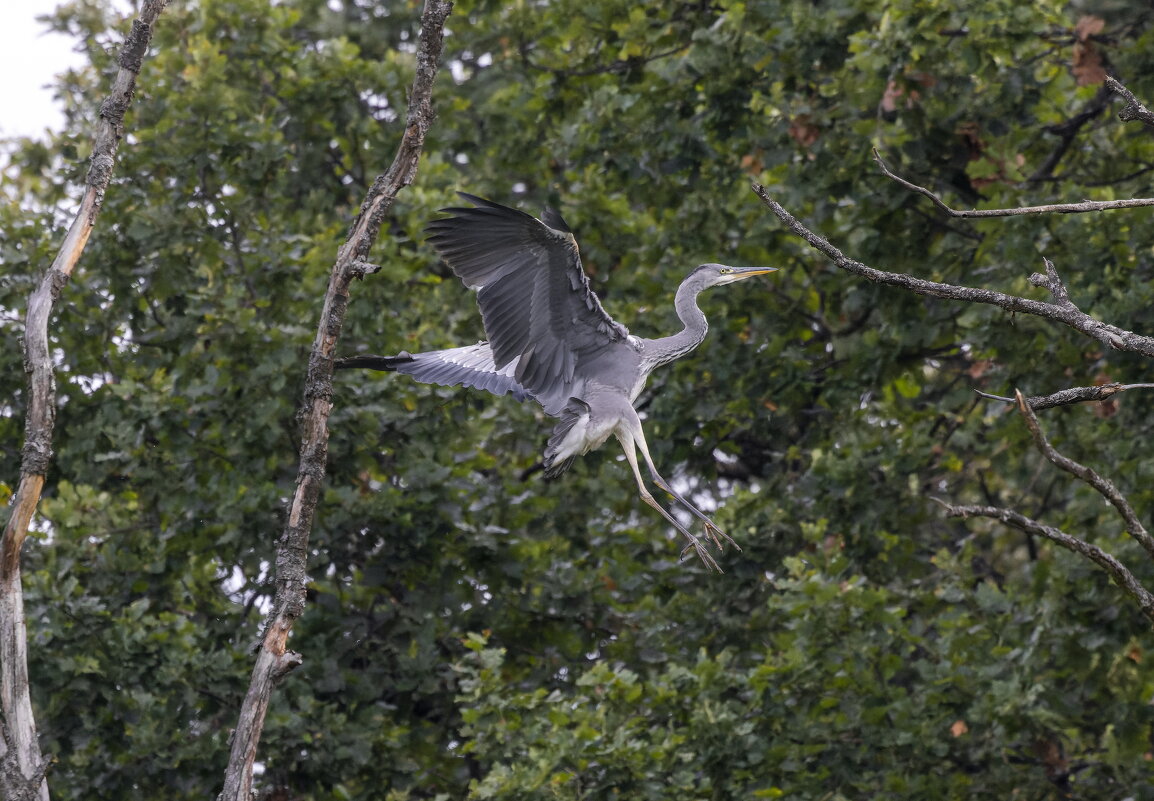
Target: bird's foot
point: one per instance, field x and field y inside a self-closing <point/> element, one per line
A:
<point x="702" y="553"/>
<point x="717" y="535"/>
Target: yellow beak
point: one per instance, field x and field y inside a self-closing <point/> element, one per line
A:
<point x="741" y="273"/>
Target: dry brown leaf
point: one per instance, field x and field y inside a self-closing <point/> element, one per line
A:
<point x="979" y="367"/>
<point x="1106" y="409"/>
<point x="752" y="163"/>
<point x="1088" y="26"/>
<point x="1087" y="64"/>
<point x="803" y="131"/>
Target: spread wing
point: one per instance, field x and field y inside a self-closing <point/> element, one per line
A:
<point x="535" y="300"/>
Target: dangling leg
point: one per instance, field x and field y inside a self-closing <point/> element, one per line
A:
<point x="710" y="527"/>
<point x="626" y="440"/>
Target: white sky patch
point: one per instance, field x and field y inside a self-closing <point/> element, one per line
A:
<point x="30" y="58"/>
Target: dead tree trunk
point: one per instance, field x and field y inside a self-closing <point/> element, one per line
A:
<point x="274" y="659"/>
<point x="22" y="767"/>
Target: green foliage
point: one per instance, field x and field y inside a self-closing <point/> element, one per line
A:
<point x="473" y="634"/>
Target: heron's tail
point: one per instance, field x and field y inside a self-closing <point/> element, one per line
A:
<point x="568" y="438"/>
<point x="386" y="363"/>
<point x="471" y="366"/>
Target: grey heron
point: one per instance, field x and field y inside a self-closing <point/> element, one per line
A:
<point x="551" y="341"/>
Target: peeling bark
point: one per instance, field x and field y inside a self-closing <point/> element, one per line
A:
<point x="22" y="767"/>
<point x="274" y="660"/>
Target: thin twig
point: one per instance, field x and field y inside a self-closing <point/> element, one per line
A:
<point x="1067" y="132"/>
<point x="1069" y="396"/>
<point x="274" y="661"/>
<point x="1053" y="208"/>
<point x="1133" y="110"/>
<point x="26" y="779"/>
<point x="615" y="66"/>
<point x="1066" y="313"/>
<point x="1104" y="486"/>
<point x="1121" y="179"/>
<point x="1118" y="571"/>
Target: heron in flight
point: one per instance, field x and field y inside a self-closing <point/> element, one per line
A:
<point x="551" y="341"/>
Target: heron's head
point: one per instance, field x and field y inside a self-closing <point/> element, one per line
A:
<point x="718" y="274"/>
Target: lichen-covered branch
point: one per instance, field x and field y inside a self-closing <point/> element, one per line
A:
<point x="21" y="764"/>
<point x="274" y="660"/>
<point x="1118" y="571"/>
<point x="1133" y="110"/>
<point x="1069" y="396"/>
<point x="1102" y="485"/>
<point x="1062" y="311"/>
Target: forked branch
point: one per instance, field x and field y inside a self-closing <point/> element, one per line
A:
<point x="274" y="660"/>
<point x="1061" y="309"/>
<point x="1118" y="571"/>
<point x="1103" y="486"/>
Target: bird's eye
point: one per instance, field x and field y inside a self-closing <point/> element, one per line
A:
<point x="726" y="270"/>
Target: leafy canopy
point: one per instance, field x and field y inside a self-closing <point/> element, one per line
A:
<point x="473" y="634"/>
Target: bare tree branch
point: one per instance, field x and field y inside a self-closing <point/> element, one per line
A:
<point x="1133" y="110"/>
<point x="21" y="765"/>
<point x="1067" y="131"/>
<point x="274" y="660"/>
<point x="1069" y="396"/>
<point x="1104" y="486"/>
<point x="1063" y="312"/>
<point x="1054" y="208"/>
<point x="1121" y="575"/>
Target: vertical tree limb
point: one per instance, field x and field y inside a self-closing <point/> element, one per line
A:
<point x="274" y="660"/>
<point x="21" y="764"/>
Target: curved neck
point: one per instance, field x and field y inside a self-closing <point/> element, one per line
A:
<point x="666" y="349"/>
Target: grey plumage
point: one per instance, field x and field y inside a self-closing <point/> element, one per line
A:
<point x="470" y="366"/>
<point x="551" y="340"/>
<point x="574" y="412"/>
<point x="536" y="303"/>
